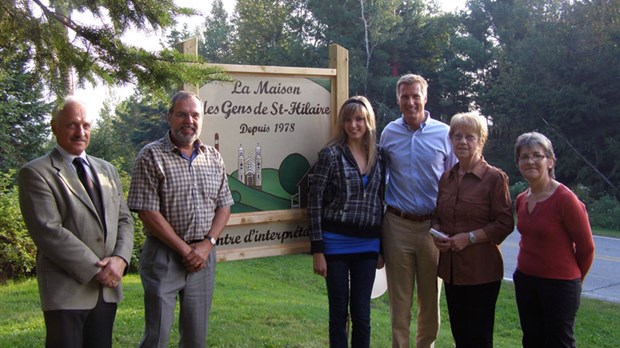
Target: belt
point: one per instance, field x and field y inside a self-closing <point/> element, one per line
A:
<point x="408" y="216"/>
<point x="194" y="241"/>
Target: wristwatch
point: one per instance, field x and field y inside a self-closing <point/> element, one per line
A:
<point x="472" y="238"/>
<point x="212" y="240"/>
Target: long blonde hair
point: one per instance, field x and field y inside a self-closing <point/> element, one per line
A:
<point x="359" y="105"/>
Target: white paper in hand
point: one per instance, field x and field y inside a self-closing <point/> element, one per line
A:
<point x="438" y="234"/>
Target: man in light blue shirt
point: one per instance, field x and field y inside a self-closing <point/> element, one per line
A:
<point x="417" y="151"/>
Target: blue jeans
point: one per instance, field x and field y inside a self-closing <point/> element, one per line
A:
<point x="360" y="269"/>
<point x="547" y="310"/>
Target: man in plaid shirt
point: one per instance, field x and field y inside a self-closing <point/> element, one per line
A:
<point x="180" y="191"/>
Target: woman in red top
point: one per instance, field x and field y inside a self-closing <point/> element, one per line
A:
<point x="556" y="248"/>
<point x="475" y="212"/>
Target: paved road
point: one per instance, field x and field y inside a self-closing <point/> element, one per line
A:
<point x="603" y="280"/>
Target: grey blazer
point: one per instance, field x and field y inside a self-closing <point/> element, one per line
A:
<point x="68" y="233"/>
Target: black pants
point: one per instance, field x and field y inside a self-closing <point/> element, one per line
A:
<point x="349" y="285"/>
<point x="472" y="313"/>
<point x="547" y="310"/>
<point x="91" y="328"/>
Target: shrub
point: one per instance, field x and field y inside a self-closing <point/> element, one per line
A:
<point x="139" y="237"/>
<point x="584" y="193"/>
<point x="516" y="188"/>
<point x="17" y="250"/>
<point x="605" y="212"/>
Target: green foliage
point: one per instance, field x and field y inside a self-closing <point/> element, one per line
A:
<point x="546" y="65"/>
<point x="120" y="135"/>
<point x="107" y="140"/>
<point x="605" y="212"/>
<point x="142" y="119"/>
<point x="273" y="33"/>
<point x="216" y="36"/>
<point x="23" y="125"/>
<point x="379" y="23"/>
<point x="584" y="193"/>
<point x="516" y="189"/>
<point x="95" y="52"/>
<point x="371" y="31"/>
<point x="551" y="68"/>
<point x="138" y="236"/>
<point x="17" y="250"/>
<point x="467" y="66"/>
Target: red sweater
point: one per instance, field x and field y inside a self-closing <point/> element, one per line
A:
<point x="556" y="239"/>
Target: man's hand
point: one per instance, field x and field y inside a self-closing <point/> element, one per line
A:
<point x="196" y="259"/>
<point x="111" y="271"/>
<point x="380" y="262"/>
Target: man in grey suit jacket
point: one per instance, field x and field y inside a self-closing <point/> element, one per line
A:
<point x="83" y="232"/>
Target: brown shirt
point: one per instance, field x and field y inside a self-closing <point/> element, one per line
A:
<point x="480" y="200"/>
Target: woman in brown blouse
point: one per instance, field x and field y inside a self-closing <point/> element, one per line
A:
<point x="475" y="212"/>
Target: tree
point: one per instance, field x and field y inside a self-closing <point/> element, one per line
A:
<point x="380" y="23"/>
<point x="141" y="119"/>
<point x="556" y="71"/>
<point x="61" y="45"/>
<point x="217" y="35"/>
<point x="17" y="250"/>
<point x="23" y="126"/>
<point x="260" y="30"/>
<point x="107" y="139"/>
<point x="121" y="133"/>
<point x="330" y="16"/>
<point x="274" y="32"/>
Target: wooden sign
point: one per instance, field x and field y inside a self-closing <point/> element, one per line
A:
<point x="269" y="123"/>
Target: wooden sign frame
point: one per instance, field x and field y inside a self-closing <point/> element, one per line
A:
<point x="276" y="232"/>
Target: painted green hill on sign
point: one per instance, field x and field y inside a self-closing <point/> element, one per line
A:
<point x="248" y="199"/>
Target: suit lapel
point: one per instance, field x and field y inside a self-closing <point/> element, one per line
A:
<point x="71" y="180"/>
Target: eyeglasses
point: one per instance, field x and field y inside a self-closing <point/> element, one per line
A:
<point x="470" y="138"/>
<point x="536" y="157"/>
<point x="194" y="115"/>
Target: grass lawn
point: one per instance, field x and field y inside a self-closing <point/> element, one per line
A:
<point x="279" y="302"/>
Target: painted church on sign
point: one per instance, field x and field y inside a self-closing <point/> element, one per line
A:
<point x="249" y="170"/>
